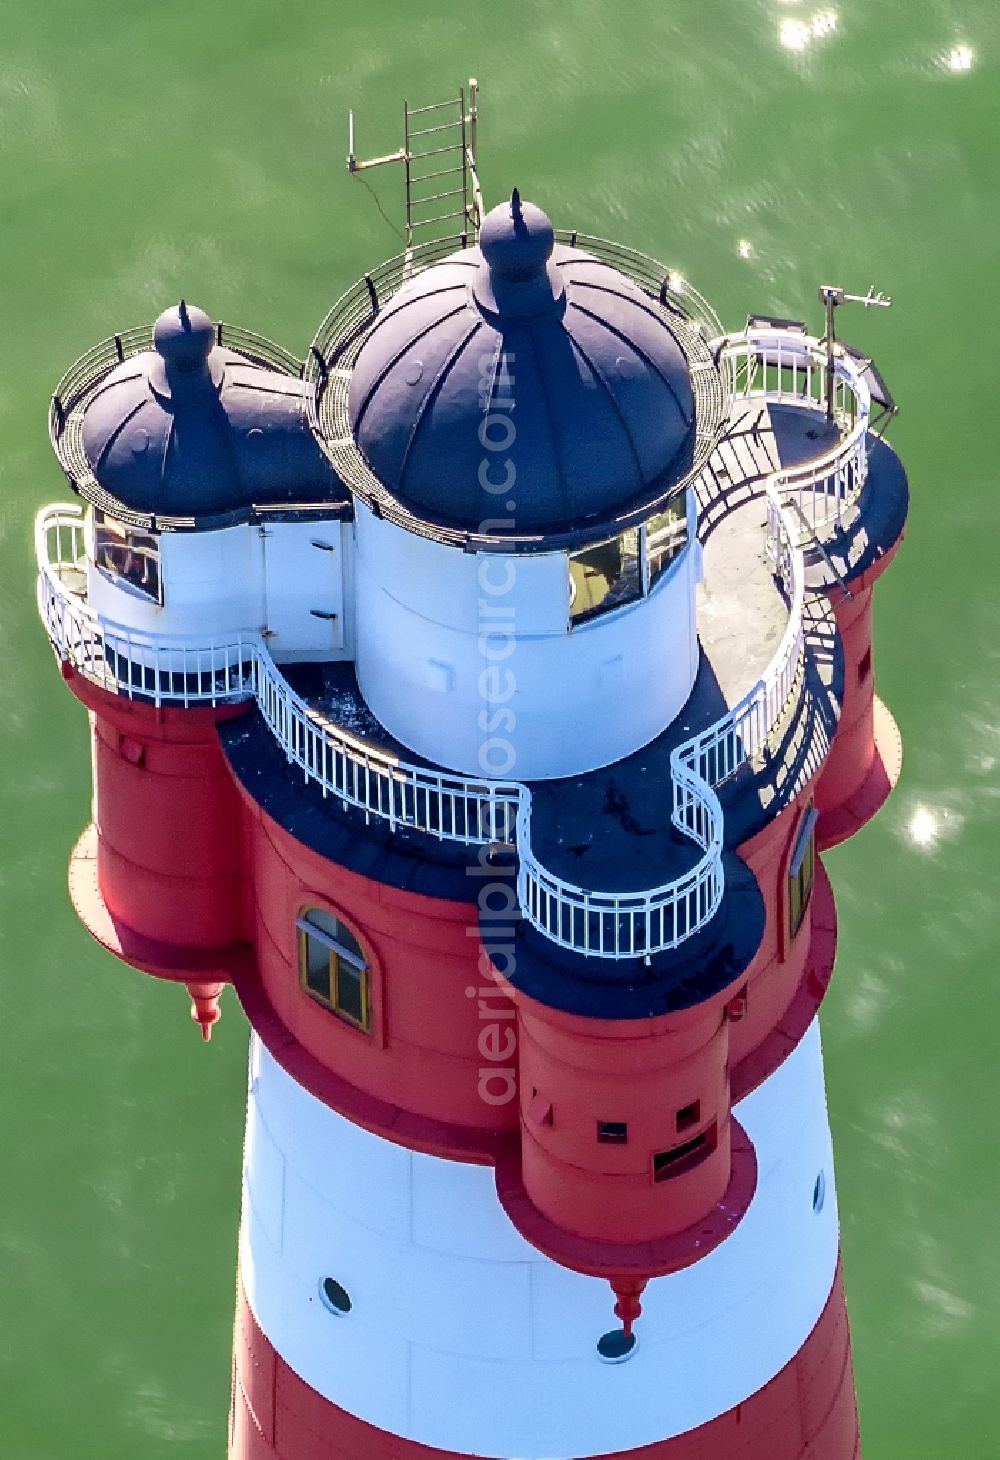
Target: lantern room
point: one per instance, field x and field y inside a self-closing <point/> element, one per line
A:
<point x="521" y="428"/>
<point x="212" y="508"/>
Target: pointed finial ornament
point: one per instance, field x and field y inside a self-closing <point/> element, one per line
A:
<point x="628" y="1308"/>
<point x="515" y="204"/>
<point x="205" y="1006"/>
<point x="182" y="310"/>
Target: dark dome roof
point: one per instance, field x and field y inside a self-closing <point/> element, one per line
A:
<point x="576" y="357"/>
<point x="194" y="430"/>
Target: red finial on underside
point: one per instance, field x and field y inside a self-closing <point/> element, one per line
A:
<point x="205" y="1005"/>
<point x="628" y="1308"/>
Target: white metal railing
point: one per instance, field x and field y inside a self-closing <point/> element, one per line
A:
<point x="783" y="366"/>
<point x="356" y="773"/>
<point x="627" y="924"/>
<point x="188" y="671"/>
<point x="183" y="670"/>
<point x="178" y="669"/>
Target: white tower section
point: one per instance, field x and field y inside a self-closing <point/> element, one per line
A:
<point x="473" y="659"/>
<point x="450" y="1307"/>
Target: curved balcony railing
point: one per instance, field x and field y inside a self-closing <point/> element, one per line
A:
<point x="182" y="670"/>
<point x="785" y="367"/>
<point x="189" y="671"/>
<point x="629" y="924"/>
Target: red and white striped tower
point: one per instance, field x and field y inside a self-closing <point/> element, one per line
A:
<point x="477" y="699"/>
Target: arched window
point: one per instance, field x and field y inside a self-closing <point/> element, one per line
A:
<point x="333" y="968"/>
<point x="801" y="871"/>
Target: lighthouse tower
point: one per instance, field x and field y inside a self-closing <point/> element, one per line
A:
<point x="477" y="700"/>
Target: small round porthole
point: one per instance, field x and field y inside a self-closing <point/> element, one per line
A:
<point x="617" y="1346"/>
<point x="335" y="1297"/>
<point x="819" y="1193"/>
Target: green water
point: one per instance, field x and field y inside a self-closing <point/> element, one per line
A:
<point x="149" y="151"/>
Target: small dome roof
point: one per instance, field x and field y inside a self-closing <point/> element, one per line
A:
<point x="190" y="429"/>
<point x="527" y="367"/>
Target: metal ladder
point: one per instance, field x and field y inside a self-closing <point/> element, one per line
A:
<point x="443" y="198"/>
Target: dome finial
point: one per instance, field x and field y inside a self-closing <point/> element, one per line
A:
<point x="184" y="337"/>
<point x="516" y="240"/>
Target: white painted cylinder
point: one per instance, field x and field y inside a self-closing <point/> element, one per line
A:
<point x="469" y="660"/>
<point x="452" y="1309"/>
<point x="286" y="577"/>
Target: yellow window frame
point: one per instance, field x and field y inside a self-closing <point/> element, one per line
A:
<point x="802" y="872"/>
<point x="337" y="955"/>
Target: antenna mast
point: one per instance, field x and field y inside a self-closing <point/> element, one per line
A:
<point x="831" y="296"/>
<point x="439" y="157"/>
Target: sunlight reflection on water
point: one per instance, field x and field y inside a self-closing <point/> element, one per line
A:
<point x="796" y="35"/>
<point x="924" y="826"/>
<point x="960" y="58"/>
